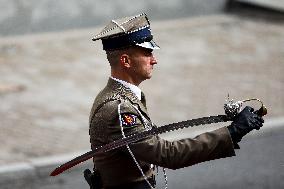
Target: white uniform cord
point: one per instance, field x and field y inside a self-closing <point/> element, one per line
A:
<point x="148" y="127"/>
<point x="129" y="150"/>
<point x="166" y="178"/>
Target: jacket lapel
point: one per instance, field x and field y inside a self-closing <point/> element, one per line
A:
<point x="118" y="89"/>
<point x="141" y="107"/>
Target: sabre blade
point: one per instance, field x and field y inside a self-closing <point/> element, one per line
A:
<point x="138" y="136"/>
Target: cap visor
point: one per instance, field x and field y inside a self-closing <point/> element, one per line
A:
<point x="149" y="45"/>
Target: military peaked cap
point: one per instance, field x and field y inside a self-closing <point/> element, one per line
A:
<point x="126" y="32"/>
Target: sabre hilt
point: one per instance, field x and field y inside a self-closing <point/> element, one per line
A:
<point x="262" y="111"/>
<point x="233" y="108"/>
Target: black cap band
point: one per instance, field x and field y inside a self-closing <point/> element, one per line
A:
<point x="128" y="39"/>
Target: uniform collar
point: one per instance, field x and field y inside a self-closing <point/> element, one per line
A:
<point x="136" y="90"/>
<point x="118" y="90"/>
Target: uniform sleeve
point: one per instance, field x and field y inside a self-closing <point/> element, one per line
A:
<point x="178" y="154"/>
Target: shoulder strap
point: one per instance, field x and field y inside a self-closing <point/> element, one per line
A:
<point x="114" y="97"/>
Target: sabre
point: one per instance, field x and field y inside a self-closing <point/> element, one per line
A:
<point x="232" y="108"/>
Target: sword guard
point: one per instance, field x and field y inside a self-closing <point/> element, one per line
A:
<point x="262" y="111"/>
<point x="233" y="108"/>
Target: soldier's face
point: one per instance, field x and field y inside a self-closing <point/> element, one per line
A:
<point x="142" y="63"/>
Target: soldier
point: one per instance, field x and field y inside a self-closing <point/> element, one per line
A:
<point x="120" y="110"/>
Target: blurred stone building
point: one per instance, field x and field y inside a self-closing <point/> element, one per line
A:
<point x="21" y="16"/>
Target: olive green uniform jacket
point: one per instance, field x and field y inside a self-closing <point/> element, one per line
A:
<point x="117" y="166"/>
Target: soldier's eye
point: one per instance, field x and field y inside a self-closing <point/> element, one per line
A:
<point x="148" y="53"/>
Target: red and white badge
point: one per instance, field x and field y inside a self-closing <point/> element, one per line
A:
<point x="128" y="120"/>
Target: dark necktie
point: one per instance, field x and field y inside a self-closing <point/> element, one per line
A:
<point x="143" y="99"/>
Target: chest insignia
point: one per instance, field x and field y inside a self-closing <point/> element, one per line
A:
<point x="129" y="120"/>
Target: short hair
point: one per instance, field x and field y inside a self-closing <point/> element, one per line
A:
<point x="113" y="56"/>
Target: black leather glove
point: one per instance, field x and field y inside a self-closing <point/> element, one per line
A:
<point x="243" y="123"/>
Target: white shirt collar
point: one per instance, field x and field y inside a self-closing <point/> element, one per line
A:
<point x="132" y="87"/>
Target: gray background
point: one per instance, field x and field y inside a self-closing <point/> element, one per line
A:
<point x="21" y="16"/>
<point x="50" y="72"/>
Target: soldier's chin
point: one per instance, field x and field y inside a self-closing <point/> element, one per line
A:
<point x="146" y="78"/>
<point x="149" y="76"/>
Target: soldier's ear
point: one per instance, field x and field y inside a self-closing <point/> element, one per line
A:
<point x="125" y="60"/>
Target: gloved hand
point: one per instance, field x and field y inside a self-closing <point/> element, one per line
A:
<point x="243" y="123"/>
